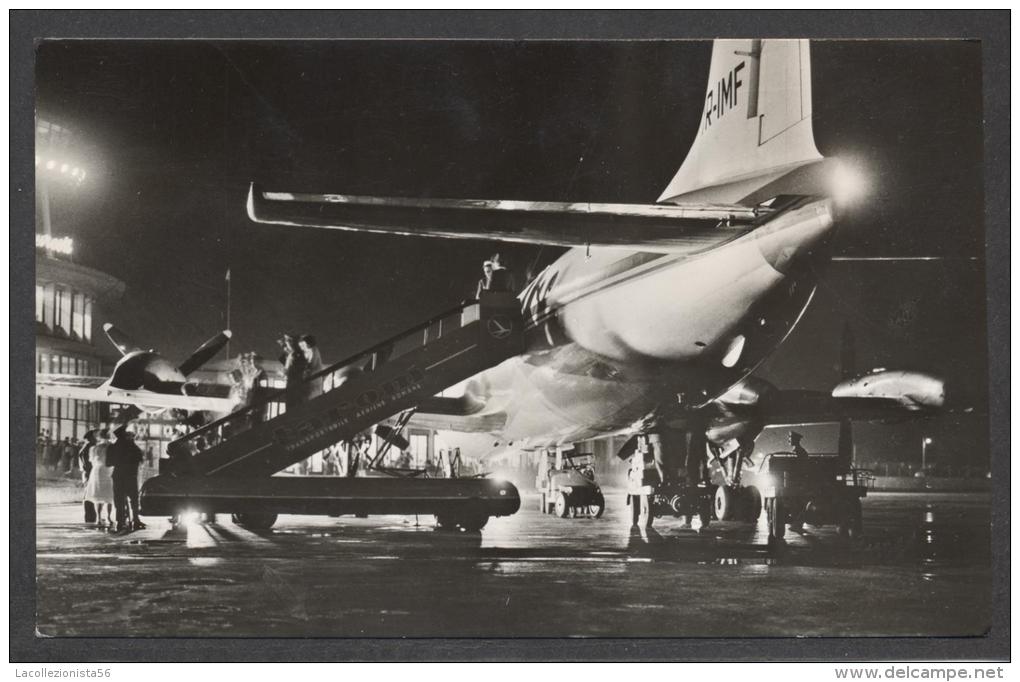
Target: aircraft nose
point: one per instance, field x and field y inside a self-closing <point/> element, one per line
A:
<point x="796" y="235"/>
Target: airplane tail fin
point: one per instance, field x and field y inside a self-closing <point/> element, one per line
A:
<point x="204" y="353"/>
<point x="119" y="339"/>
<point x="755" y="127"/>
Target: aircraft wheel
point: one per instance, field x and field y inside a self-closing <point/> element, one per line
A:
<point x="254" y="520"/>
<point x="753" y="501"/>
<point x="597" y="506"/>
<point x="725" y="503"/>
<point x="562" y="506"/>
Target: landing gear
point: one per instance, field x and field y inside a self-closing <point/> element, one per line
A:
<point x="753" y="504"/>
<point x="254" y="520"/>
<point x="737" y="504"/>
<point x="726" y="503"/>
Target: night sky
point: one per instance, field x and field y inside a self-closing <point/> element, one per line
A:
<point x="173" y="132"/>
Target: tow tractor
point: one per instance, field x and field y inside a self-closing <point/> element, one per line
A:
<point x="235" y="474"/>
<point x="566" y="485"/>
<point x="813" y="489"/>
<point x="684" y="500"/>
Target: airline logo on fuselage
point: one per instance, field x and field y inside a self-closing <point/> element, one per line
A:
<point x="500" y="327"/>
<point x="723" y="97"/>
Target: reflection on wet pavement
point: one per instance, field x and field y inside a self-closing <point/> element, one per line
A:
<point x="922" y="567"/>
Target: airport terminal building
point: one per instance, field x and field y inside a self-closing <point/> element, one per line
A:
<point x="69" y="300"/>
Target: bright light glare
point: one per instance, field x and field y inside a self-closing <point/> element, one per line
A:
<point x="849" y="184"/>
<point x="190" y="518"/>
<point x="51" y="164"/>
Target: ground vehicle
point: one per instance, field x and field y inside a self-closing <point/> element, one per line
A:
<point x="684" y="500"/>
<point x="813" y="489"/>
<point x="567" y="487"/>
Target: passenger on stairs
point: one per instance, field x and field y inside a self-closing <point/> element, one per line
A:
<point x="313" y="365"/>
<point x="486" y="280"/>
<point x="294" y="362"/>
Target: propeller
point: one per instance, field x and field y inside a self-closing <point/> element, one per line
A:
<point x="204" y="353"/>
<point x="119" y="339"/>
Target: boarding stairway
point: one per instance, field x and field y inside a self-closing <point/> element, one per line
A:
<point x="235" y="472"/>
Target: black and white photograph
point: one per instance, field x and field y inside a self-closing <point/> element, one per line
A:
<point x="511" y="339"/>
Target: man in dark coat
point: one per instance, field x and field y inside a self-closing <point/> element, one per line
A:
<point x="795" y="446"/>
<point x="294" y="364"/>
<point x="502" y="279"/>
<point x="125" y="457"/>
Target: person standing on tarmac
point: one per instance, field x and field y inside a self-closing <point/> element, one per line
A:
<point x="88" y="507"/>
<point x="99" y="488"/>
<point x="126" y="457"/>
<point x="642" y="477"/>
<point x="797" y="519"/>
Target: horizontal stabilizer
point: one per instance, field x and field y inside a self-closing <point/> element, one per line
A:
<point x="637" y="226"/>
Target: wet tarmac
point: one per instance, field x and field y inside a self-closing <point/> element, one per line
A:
<point x="922" y="568"/>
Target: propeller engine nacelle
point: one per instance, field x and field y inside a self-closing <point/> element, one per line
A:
<point x="147" y="370"/>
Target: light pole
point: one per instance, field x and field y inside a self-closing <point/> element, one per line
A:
<point x="53" y="163"/>
<point x="925" y="442"/>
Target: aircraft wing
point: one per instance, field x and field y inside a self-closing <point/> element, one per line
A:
<point x="456" y="414"/>
<point x="793" y="408"/>
<point x="97" y="389"/>
<point x="652" y="227"/>
<point x="879" y="395"/>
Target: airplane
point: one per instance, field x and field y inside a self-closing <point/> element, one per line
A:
<point x="145" y="379"/>
<point x="656" y="316"/>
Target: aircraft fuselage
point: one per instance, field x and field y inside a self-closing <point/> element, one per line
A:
<point x="613" y="334"/>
